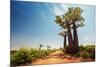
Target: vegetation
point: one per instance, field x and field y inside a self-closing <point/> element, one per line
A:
<point x="87" y="51"/>
<point x="48" y="47"/>
<point x="25" y="56"/>
<point x="64" y="34"/>
<point x="20" y="57"/>
<point x="40" y="47"/>
<point x="72" y="19"/>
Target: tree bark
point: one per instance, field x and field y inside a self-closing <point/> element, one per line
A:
<point x="75" y="38"/>
<point x="70" y="40"/>
<point x="64" y="46"/>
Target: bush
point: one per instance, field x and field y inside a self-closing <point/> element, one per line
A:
<point x="77" y="54"/>
<point x="34" y="53"/>
<point x="14" y="58"/>
<point x="21" y="57"/>
<point x="90" y="48"/>
<point x="85" y="55"/>
<point x="43" y="53"/>
<point x="24" y="55"/>
<point x="92" y="55"/>
<point x="87" y="48"/>
<point x="82" y="48"/>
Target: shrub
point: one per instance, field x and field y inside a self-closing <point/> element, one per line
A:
<point x="21" y="57"/>
<point x="24" y="55"/>
<point x="34" y="53"/>
<point x="14" y="58"/>
<point x="87" y="48"/>
<point x="92" y="55"/>
<point x="43" y="53"/>
<point x="90" y="48"/>
<point x="85" y="55"/>
<point x="77" y="54"/>
<point x="82" y="48"/>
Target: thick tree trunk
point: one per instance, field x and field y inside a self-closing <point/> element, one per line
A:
<point x="70" y="40"/>
<point x="75" y="38"/>
<point x="64" y="46"/>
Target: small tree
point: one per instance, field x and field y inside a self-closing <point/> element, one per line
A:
<point x="64" y="34"/>
<point x="40" y="47"/>
<point x="48" y="47"/>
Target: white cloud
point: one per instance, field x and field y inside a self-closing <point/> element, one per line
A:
<point x="86" y="38"/>
<point x="64" y="7"/>
<point x="57" y="11"/>
<point x="89" y="39"/>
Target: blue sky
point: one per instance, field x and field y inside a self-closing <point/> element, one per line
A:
<point x="32" y="23"/>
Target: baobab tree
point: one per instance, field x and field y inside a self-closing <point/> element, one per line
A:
<point x="72" y="19"/>
<point x="48" y="47"/>
<point x="64" y="22"/>
<point x="75" y="16"/>
<point x="64" y="34"/>
<point x="40" y="47"/>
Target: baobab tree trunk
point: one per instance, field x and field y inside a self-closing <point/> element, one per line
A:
<point x="64" y="46"/>
<point x="70" y="40"/>
<point x="39" y="48"/>
<point x="75" y="38"/>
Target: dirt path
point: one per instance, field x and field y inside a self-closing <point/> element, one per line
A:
<point x="56" y="58"/>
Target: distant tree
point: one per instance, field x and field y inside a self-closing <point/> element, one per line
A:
<point x="40" y="47"/>
<point x="48" y="47"/>
<point x="60" y="48"/>
<point x="64" y="34"/>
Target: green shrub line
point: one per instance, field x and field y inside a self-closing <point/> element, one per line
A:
<point x="87" y="51"/>
<point x="26" y="56"/>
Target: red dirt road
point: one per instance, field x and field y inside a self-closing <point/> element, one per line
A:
<point x="57" y="58"/>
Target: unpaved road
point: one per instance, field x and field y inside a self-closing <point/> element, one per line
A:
<point x="57" y="58"/>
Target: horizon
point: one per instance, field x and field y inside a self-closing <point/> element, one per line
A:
<point x="32" y="24"/>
